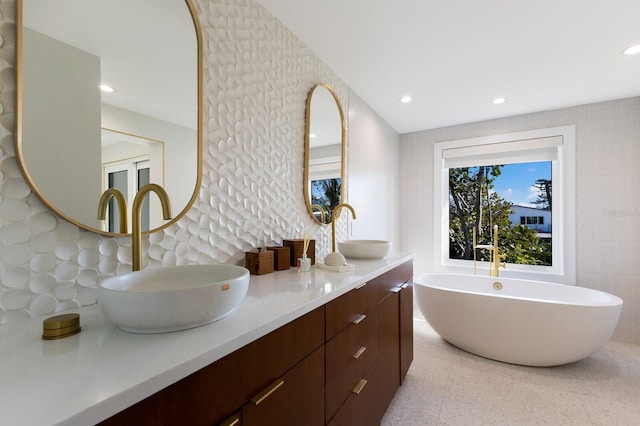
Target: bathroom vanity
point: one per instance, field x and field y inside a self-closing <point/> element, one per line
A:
<point x="318" y="348"/>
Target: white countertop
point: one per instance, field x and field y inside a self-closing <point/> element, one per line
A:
<point x="88" y="377"/>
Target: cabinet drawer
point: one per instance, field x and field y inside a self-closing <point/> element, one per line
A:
<point x="349" y="355"/>
<point x="394" y="278"/>
<point x="294" y="398"/>
<point x="349" y="307"/>
<point x="363" y="407"/>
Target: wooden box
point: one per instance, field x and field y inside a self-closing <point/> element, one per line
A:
<point x="281" y="257"/>
<point x="296" y="247"/>
<point x="259" y="262"/>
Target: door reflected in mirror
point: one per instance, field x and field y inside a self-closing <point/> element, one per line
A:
<point x="324" y="153"/>
<point x="150" y="54"/>
<point x="128" y="163"/>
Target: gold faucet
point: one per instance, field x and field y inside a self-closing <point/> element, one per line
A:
<point x="494" y="254"/>
<point x="122" y="207"/>
<point x="136" y="218"/>
<point x="322" y="210"/>
<point x="334" y="214"/>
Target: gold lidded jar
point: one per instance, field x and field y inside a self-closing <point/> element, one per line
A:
<point x="60" y="326"/>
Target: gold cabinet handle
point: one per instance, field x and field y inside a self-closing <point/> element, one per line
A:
<point x="359" y="352"/>
<point x="360" y="286"/>
<point x="359" y="319"/>
<point x="267" y="392"/>
<point x="399" y="288"/>
<point x="231" y="421"/>
<point x="361" y="384"/>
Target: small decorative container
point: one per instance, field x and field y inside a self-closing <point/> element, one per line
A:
<point x="304" y="264"/>
<point x="259" y="262"/>
<point x="60" y="326"/>
<point x="297" y="247"/>
<point x="281" y="257"/>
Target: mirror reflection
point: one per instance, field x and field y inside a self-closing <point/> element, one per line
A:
<point x="324" y="153"/>
<point x="75" y="140"/>
<point x="128" y="163"/>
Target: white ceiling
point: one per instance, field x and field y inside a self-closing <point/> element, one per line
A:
<point x="454" y="56"/>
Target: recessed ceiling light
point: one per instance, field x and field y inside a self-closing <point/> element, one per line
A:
<point x="497" y="101"/>
<point x="406" y="99"/>
<point x="632" y="50"/>
<point x="106" y="88"/>
<point x="312" y="135"/>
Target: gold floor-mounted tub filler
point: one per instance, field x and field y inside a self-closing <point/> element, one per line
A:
<point x="494" y="254"/>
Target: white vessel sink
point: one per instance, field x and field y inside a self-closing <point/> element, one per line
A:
<point x="173" y="298"/>
<point x="364" y="249"/>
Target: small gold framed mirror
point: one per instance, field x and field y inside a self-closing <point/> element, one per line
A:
<point x="324" y="153"/>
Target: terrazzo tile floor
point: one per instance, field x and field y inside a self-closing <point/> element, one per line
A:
<point x="447" y="386"/>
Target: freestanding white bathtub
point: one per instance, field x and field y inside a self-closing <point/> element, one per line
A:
<point x="517" y="321"/>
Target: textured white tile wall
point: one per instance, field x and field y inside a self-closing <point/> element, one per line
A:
<point x="256" y="78"/>
<point x="607" y="203"/>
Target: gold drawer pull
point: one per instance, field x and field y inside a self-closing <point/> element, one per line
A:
<point x="231" y="421"/>
<point x="359" y="352"/>
<point x="359" y="319"/>
<point x="267" y="392"/>
<point x="360" y="286"/>
<point x="361" y="384"/>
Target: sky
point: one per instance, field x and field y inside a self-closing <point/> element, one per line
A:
<point x="515" y="183"/>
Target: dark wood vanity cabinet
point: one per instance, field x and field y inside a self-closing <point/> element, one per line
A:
<point x="293" y="353"/>
<point x="406" y="327"/>
<point x="391" y="310"/>
<point x="340" y="364"/>
<point x="352" y="349"/>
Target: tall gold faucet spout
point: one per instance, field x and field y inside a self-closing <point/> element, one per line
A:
<point x="334" y="214"/>
<point x="136" y="218"/>
<point x="122" y="207"/>
<point x="497" y="257"/>
<point x="322" y="211"/>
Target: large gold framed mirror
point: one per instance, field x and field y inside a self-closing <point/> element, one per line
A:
<point x="324" y="153"/>
<point x="75" y="138"/>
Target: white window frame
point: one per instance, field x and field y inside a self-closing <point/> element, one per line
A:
<point x="556" y="144"/>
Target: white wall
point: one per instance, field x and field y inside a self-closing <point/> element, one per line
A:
<point x="607" y="206"/>
<point x="374" y="169"/>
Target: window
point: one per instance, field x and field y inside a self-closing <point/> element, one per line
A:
<point x="484" y="197"/>
<point x="554" y="146"/>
